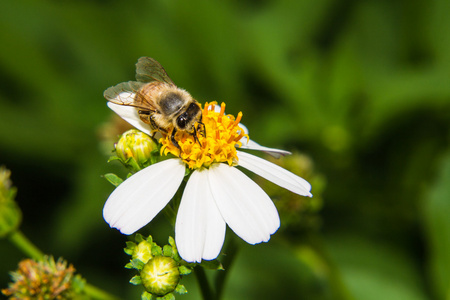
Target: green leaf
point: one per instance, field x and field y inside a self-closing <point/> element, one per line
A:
<point x="131" y="246"/>
<point x="180" y="289"/>
<point x="150" y="239"/>
<point x="212" y="264"/>
<point x="113" y="158"/>
<point x="132" y="163"/>
<point x="175" y="255"/>
<point x="136" y="280"/>
<point x="129" y="266"/>
<point x="146" y="296"/>
<point x="154" y="155"/>
<point x="113" y="179"/>
<point x="137" y="264"/>
<point x="139" y="238"/>
<point x="172" y="242"/>
<point x="169" y="296"/>
<point x="167" y="251"/>
<point x="156" y="250"/>
<point x="185" y="270"/>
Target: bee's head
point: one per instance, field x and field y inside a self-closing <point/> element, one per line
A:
<point x="186" y="120"/>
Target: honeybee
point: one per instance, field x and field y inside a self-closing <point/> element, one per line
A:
<point x="160" y="103"/>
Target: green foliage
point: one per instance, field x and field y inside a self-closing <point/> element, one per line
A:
<point x="359" y="86"/>
<point x="113" y="179"/>
<point x="136" y="280"/>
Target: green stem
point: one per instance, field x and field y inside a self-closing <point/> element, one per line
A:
<point x="207" y="292"/>
<point x="230" y="251"/>
<point x="205" y="288"/>
<point x="170" y="214"/>
<point x="25" y="245"/>
<point x="96" y="293"/>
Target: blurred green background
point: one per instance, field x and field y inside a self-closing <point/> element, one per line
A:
<point x="361" y="87"/>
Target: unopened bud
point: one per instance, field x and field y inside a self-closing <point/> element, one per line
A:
<point x="160" y="275"/>
<point x="136" y="145"/>
<point x="143" y="251"/>
<point x="160" y="268"/>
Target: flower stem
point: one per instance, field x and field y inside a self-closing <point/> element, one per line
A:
<point x="96" y="293"/>
<point x="231" y="250"/>
<point x="205" y="288"/>
<point x="170" y="214"/>
<point x="25" y="245"/>
<point x="208" y="293"/>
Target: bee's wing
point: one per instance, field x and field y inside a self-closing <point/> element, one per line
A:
<point x="125" y="94"/>
<point x="148" y="70"/>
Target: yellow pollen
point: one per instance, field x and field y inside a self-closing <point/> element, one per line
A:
<point x="216" y="143"/>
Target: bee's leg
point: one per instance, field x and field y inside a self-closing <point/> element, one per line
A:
<point x="203" y="129"/>
<point x="198" y="130"/>
<point x="174" y="142"/>
<point x="144" y="115"/>
<point x="152" y="133"/>
<point x="155" y="127"/>
<point x="148" y="118"/>
<point x="195" y="137"/>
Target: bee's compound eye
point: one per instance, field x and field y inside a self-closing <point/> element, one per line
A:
<point x="181" y="121"/>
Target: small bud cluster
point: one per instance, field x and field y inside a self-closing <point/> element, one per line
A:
<point x="45" y="279"/>
<point x="160" y="268"/>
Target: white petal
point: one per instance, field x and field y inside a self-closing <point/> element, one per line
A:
<point x="252" y="145"/>
<point x="137" y="200"/>
<point x="217" y="108"/>
<point x="130" y="114"/>
<point x="274" y="173"/>
<point x="200" y="228"/>
<point x="245" y="207"/>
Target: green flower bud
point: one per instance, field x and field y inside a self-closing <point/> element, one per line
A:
<point x="10" y="214"/>
<point x="160" y="268"/>
<point x="135" y="144"/>
<point x="143" y="251"/>
<point x="160" y="275"/>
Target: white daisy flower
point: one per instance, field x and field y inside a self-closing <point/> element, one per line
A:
<point x="217" y="192"/>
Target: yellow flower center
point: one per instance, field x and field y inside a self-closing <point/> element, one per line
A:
<point x="215" y="144"/>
